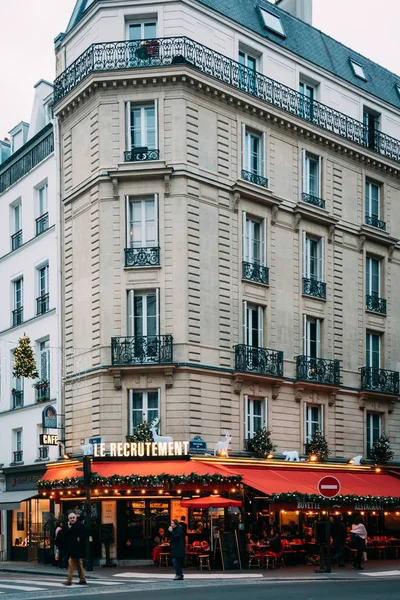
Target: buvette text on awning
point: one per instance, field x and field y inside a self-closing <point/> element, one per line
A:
<point x="132" y="449"/>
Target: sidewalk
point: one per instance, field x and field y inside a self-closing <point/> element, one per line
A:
<point x="377" y="568"/>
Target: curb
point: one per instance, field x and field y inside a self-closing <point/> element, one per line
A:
<point x="39" y="572"/>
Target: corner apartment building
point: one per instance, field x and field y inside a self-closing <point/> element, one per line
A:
<point x="28" y="275"/>
<point x="229" y="187"/>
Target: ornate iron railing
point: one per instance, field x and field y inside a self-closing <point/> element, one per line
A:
<point x="314" y="200"/>
<point x="142" y="257"/>
<point x="18" y="316"/>
<point x="43" y="452"/>
<point x="375" y="222"/>
<point x="126" y="54"/>
<point x="375" y="304"/>
<point x="255" y="272"/>
<point x="141" y="154"/>
<point x="139" y="350"/>
<point x="42" y="223"/>
<point x="16" y="240"/>
<point x="254" y="178"/>
<point x="42" y="304"/>
<point x="17" y="398"/>
<point x="43" y="392"/>
<point x="18" y="456"/>
<point x="380" y="380"/>
<point x="21" y="166"/>
<point x="258" y="360"/>
<point x="318" y="370"/>
<point x="312" y="287"/>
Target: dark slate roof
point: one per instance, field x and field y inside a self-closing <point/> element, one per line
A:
<point x="301" y="39"/>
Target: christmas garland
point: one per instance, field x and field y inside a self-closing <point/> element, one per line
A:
<point x="138" y="481"/>
<point x="384" y="501"/>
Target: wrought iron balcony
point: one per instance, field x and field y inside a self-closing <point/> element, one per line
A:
<point x="164" y="52"/>
<point x="142" y="257"/>
<point x="42" y="391"/>
<point x="17" y="398"/>
<point x="318" y="370"/>
<point x="253" y="178"/>
<point x="139" y="350"/>
<point x="375" y="222"/>
<point x="314" y="200"/>
<point x="380" y="381"/>
<point x="255" y="272"/>
<point x="42" y="223"/>
<point x="141" y="154"/>
<point x="258" y="360"/>
<point x="18" y="316"/>
<point x="43" y="452"/>
<point x="16" y="240"/>
<point x="18" y="456"/>
<point x="42" y="304"/>
<point x="315" y="288"/>
<point x="375" y="304"/>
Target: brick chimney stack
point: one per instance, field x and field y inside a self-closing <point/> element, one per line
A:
<point x="302" y="9"/>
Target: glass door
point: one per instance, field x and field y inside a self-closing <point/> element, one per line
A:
<point x="139" y="522"/>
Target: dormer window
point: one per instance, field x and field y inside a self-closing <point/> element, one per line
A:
<point x="358" y="70"/>
<point x="272" y="22"/>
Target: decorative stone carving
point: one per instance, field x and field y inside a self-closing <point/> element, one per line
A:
<point x="274" y="214"/>
<point x="331" y="233"/>
<point x="391" y="406"/>
<point x="115" y="188"/>
<point x="169" y="379"/>
<point x="237" y="385"/>
<point x="275" y="391"/>
<point x="167" y="185"/>
<point x="117" y="381"/>
<point x="390" y="252"/>
<point x="235" y="201"/>
<point x="299" y="393"/>
<point x="296" y="223"/>
<point x="361" y="243"/>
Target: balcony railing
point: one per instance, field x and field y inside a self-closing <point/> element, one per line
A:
<point x="255" y="272"/>
<point x="17" y="398"/>
<point x="16" y="240"/>
<point x="258" y="360"/>
<point x="142" y="257"/>
<point x="375" y="222"/>
<point x="380" y="380"/>
<point x="315" y="288"/>
<point x="42" y="391"/>
<point x="314" y="200"/>
<point x="42" y="304"/>
<point x="126" y="54"/>
<point x="18" y="456"/>
<point x="139" y="350"/>
<point x="141" y="154"/>
<point x="254" y="178"/>
<point x="318" y="370"/>
<point x="18" y="316"/>
<point x="42" y="223"/>
<point x="375" y="304"/>
<point x="43" y="452"/>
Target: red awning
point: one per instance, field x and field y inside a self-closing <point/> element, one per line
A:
<point x="210" y="502"/>
<point x="56" y="473"/>
<point x="279" y="481"/>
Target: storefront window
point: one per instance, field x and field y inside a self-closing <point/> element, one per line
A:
<point x="144" y="406"/>
<point x="32" y="526"/>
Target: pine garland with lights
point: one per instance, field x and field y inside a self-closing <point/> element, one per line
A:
<point x="381" y="451"/>
<point x="261" y="443"/>
<point x="142" y="433"/>
<point x="378" y="501"/>
<point x="25" y="363"/>
<point x="318" y="445"/>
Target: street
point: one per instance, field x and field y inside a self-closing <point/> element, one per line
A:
<point x="18" y="587"/>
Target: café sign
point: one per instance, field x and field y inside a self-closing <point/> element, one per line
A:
<point x="140" y="449"/>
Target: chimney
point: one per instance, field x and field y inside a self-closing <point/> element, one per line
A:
<point x="302" y="9"/>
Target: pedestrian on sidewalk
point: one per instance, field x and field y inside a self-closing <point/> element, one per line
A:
<point x="339" y="536"/>
<point x="61" y="542"/>
<point x="177" y="547"/>
<point x="75" y="536"/>
<point x="358" y="536"/>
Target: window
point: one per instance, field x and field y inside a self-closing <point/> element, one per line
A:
<point x="313" y="420"/>
<point x="311" y="337"/>
<point x="358" y="70"/>
<point x="18" y="291"/>
<point x="18" y="388"/>
<point x="143" y="313"/>
<point x="373" y="205"/>
<point x="252" y="151"/>
<point x="247" y="71"/>
<point x="253" y="325"/>
<point x="42" y="300"/>
<point x="142" y="126"/>
<point x="371" y="129"/>
<point x="17" y="446"/>
<point x="44" y="350"/>
<point x="374" y="426"/>
<point x="398" y="88"/>
<point x="256" y="415"/>
<point x="313" y="257"/>
<point x="145" y="30"/>
<point x="142" y="220"/>
<point x="42" y="199"/>
<point x="312" y="174"/>
<point x="373" y="276"/>
<point x="143" y="406"/>
<point x="254" y="240"/>
<point x="306" y="100"/>
<point x="272" y="22"/>
<point x="373" y="350"/>
<point x="16" y="238"/>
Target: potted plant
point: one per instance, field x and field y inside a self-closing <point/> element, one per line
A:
<point x="41" y="384"/>
<point x="261" y="443"/>
<point x="148" y="49"/>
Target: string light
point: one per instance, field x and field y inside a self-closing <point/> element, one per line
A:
<point x="179" y="491"/>
<point x="233" y="490"/>
<point x="143" y="491"/>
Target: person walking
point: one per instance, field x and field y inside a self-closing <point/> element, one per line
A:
<point x="339" y="535"/>
<point x="177" y="547"/>
<point x="75" y="543"/>
<point x="358" y="536"/>
<point x="61" y="542"/>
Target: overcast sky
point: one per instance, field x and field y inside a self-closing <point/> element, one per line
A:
<point x="28" y="29"/>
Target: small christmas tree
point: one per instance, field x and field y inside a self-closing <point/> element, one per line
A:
<point x="261" y="443"/>
<point x="318" y="445"/>
<point x="142" y="433"/>
<point x="381" y="451"/>
<point x="25" y="363"/>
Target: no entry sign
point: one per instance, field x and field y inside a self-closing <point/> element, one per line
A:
<point x="329" y="486"/>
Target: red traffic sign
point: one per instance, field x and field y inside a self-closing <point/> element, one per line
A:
<point x="329" y="486"/>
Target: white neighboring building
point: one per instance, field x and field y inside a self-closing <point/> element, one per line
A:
<point x="29" y="305"/>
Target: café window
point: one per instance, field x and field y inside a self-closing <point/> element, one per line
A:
<point x="30" y="534"/>
<point x="143" y="406"/>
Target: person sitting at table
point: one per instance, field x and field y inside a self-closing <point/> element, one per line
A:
<point x="160" y="542"/>
<point x="275" y="543"/>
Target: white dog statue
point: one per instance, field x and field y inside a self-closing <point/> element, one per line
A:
<point x="291" y="456"/>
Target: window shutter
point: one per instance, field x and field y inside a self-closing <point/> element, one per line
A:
<point x="321" y="258"/>
<point x="260" y="315"/>
<point x="318" y="334"/>
<point x="321" y="418"/>
<point x="158" y="311"/>
<point x="305" y="335"/>
<point x="246" y="417"/>
<point x="128" y="126"/>
<point x="320" y="194"/>
<point x="305" y="255"/>
<point x="156" y="122"/>
<point x="245" y="235"/>
<point x="156" y="216"/>
<point x="304" y="171"/>
<point x="265" y="423"/>
<point x="127" y="218"/>
<point x="130" y="325"/>
<point x="244" y="148"/>
<point x="245" y="336"/>
<point x="264" y="243"/>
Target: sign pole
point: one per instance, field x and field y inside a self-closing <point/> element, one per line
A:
<point x="87" y="469"/>
<point x="328" y="534"/>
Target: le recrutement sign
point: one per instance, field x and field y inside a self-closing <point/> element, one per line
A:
<point x="140" y="449"/>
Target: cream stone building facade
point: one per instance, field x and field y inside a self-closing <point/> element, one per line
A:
<point x="230" y="226"/>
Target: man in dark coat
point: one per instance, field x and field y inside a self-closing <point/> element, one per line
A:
<point x="339" y="535"/>
<point x="75" y="542"/>
<point x="177" y="547"/>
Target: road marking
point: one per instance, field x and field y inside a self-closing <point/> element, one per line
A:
<point x="381" y="573"/>
<point x="201" y="575"/>
<point x="39" y="582"/>
<point x="22" y="588"/>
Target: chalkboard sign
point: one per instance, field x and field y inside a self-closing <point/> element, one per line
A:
<point x="107" y="533"/>
<point x="230" y="550"/>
